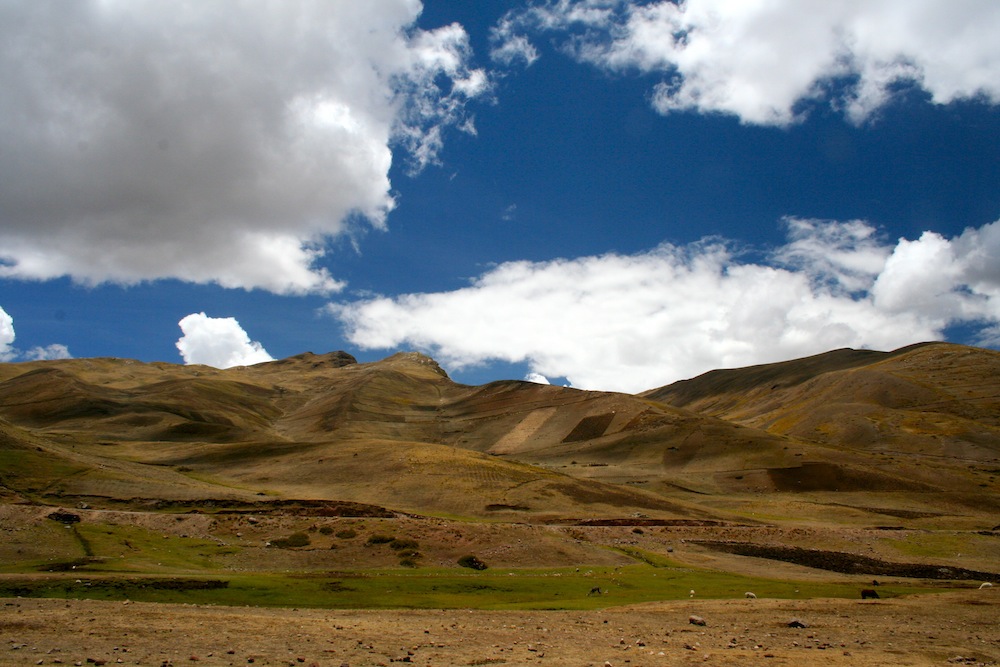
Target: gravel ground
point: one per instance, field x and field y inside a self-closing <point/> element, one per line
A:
<point x="950" y="628"/>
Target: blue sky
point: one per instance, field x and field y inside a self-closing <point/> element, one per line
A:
<point x="607" y="194"/>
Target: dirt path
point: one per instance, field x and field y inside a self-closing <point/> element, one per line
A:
<point x="952" y="628"/>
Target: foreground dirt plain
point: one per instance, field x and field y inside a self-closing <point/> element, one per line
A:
<point x="948" y="628"/>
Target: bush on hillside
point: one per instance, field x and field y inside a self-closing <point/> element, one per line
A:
<point x="471" y="562"/>
<point x="347" y="533"/>
<point x="379" y="539"/>
<point x="400" y="544"/>
<point x="293" y="540"/>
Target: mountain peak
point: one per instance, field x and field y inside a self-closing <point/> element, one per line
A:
<point x="416" y="358"/>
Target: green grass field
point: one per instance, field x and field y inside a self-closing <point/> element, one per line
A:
<point x="439" y="588"/>
<point x="123" y="562"/>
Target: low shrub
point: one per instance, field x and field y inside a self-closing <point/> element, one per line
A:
<point x="379" y="539"/>
<point x="400" y="544"/>
<point x="347" y="533"/>
<point x="293" y="540"/>
<point x="326" y="530"/>
<point x="471" y="562"/>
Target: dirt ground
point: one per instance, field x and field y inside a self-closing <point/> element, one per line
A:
<point x="949" y="628"/>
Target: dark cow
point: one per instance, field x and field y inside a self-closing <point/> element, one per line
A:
<point x="596" y="590"/>
<point x="869" y="593"/>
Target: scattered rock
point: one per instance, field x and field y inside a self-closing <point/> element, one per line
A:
<point x="796" y="623"/>
<point x="696" y="620"/>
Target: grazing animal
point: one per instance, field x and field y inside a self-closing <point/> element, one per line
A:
<point x="874" y="582"/>
<point x="868" y="593"/>
<point x="596" y="590"/>
<point x="750" y="596"/>
<point x="691" y="594"/>
<point x="985" y="584"/>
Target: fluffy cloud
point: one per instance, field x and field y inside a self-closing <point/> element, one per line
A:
<point x="214" y="143"/>
<point x="509" y="47"/>
<point x="6" y="336"/>
<point x="9" y="353"/>
<point x="757" y="60"/>
<point x="537" y="378"/>
<point x="633" y="322"/>
<point x="218" y="341"/>
<point x="54" y="351"/>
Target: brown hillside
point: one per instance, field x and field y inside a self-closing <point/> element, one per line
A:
<point x="824" y="432"/>
<point x="396" y="432"/>
<point x="933" y="400"/>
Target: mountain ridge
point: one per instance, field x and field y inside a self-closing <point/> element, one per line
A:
<point x="399" y="432"/>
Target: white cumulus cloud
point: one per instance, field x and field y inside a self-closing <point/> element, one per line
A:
<point x="633" y="322"/>
<point x="757" y="60"/>
<point x="537" y="378"/>
<point x="219" y="342"/>
<point x="38" y="353"/>
<point x="7" y="336"/>
<point x="213" y="142"/>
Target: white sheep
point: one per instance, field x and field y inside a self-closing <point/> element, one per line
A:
<point x="750" y="596"/>
<point x="985" y="584"/>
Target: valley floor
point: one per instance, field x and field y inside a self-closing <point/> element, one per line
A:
<point x="939" y="629"/>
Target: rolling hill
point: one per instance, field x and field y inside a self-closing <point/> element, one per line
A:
<point x="919" y="426"/>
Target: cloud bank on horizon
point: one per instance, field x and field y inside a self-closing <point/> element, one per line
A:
<point x="636" y="322"/>
<point x="212" y="143"/>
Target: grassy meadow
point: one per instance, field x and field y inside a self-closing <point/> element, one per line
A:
<point x="112" y="561"/>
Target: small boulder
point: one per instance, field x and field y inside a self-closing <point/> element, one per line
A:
<point x="796" y="623"/>
<point x="696" y="620"/>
